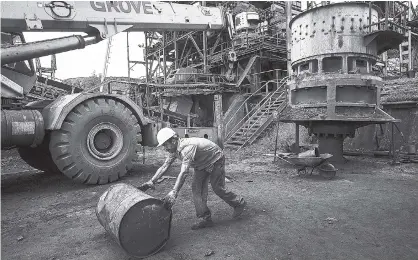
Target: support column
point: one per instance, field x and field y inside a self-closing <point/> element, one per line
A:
<point x="297" y="143"/>
<point x="164" y="58"/>
<point x="392" y="140"/>
<point x="205" y="52"/>
<point x="331" y="100"/>
<point x="159" y="67"/>
<point x="176" y="54"/>
<point x="127" y="54"/>
<point x="320" y="70"/>
<point x="332" y="144"/>
<point x="410" y="57"/>
<point x="218" y="116"/>
<point x="205" y="48"/>
<point x="160" y="101"/>
<point x="288" y="35"/>
<point x="385" y="61"/>
<point x="277" y="79"/>
<point x="147" y="72"/>
<point x="257" y="76"/>
<point x="147" y="69"/>
<point x="345" y="65"/>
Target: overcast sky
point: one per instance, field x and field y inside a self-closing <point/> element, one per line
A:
<point x="82" y="63"/>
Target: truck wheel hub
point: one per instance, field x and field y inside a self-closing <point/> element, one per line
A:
<point x="105" y="141"/>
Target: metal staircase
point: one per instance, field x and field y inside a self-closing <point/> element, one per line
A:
<point x="246" y="131"/>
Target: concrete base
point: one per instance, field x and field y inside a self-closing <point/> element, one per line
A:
<point x="333" y="145"/>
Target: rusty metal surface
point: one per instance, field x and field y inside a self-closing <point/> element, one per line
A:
<point x="138" y="222"/>
<point x="331" y="63"/>
<point x="331" y="29"/>
<point x="21" y="128"/>
<point x="333" y="90"/>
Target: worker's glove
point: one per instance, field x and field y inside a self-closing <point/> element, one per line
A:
<point x="147" y="185"/>
<point x="169" y="199"/>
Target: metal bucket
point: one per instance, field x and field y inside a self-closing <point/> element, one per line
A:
<point x="138" y="222"/>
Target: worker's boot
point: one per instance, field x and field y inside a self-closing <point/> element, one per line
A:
<point x="239" y="209"/>
<point x="203" y="223"/>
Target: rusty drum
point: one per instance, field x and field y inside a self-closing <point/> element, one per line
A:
<point x="138" y="222"/>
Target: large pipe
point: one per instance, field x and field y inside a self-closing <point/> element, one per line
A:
<point x="38" y="49"/>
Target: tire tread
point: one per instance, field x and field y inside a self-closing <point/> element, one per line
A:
<point x="68" y="160"/>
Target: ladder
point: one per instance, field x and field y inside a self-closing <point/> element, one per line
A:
<point x="43" y="71"/>
<point x="107" y="59"/>
<point x="106" y="63"/>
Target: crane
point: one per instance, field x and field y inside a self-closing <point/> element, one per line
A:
<point x="91" y="137"/>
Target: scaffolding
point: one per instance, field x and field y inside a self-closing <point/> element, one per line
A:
<point x="203" y="64"/>
<point x="398" y="16"/>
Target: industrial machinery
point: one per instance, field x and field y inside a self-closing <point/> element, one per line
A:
<point x="333" y="91"/>
<point x="92" y="136"/>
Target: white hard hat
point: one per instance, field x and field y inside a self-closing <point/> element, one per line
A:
<point x="164" y="134"/>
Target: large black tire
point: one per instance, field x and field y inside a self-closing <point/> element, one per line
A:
<point x="39" y="157"/>
<point x="97" y="142"/>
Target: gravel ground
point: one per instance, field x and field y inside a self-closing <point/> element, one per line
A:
<point x="369" y="211"/>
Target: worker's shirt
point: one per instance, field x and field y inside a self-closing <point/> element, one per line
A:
<point x="199" y="153"/>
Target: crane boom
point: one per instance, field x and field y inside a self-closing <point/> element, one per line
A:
<point x="100" y="20"/>
<point x="107" y="18"/>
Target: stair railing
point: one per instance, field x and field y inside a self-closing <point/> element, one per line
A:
<point x="227" y="131"/>
<point x="262" y="116"/>
<point x="251" y="113"/>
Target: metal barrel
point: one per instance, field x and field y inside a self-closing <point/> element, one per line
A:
<point x="138" y="222"/>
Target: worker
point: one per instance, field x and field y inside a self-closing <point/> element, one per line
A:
<point x="208" y="162"/>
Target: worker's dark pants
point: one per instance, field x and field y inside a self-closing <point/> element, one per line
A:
<point x="217" y="180"/>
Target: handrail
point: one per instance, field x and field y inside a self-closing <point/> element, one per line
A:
<point x="233" y="131"/>
<point x="384" y="24"/>
<point x="262" y="102"/>
<point x="107" y="82"/>
<point x="252" y="94"/>
<point x="243" y="103"/>
<point x="260" y="117"/>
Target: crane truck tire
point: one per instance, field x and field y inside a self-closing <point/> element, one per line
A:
<point x="97" y="142"/>
<point x="39" y="157"/>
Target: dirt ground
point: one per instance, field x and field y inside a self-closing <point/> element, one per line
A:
<point x="369" y="211"/>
